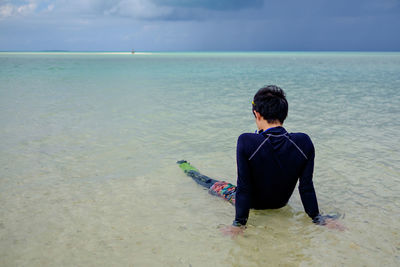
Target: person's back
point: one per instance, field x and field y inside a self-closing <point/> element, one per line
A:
<point x="270" y="163"/>
<point x="275" y="161"/>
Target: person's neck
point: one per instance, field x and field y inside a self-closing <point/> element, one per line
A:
<point x="264" y="125"/>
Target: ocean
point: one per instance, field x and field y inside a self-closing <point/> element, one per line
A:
<point x="89" y="144"/>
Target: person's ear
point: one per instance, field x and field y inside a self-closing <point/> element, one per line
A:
<point x="257" y="114"/>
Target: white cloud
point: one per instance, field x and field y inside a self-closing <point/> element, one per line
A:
<point x="50" y="7"/>
<point x="9" y="10"/>
<point x="26" y="9"/>
<point x="136" y="9"/>
<point x="6" y="10"/>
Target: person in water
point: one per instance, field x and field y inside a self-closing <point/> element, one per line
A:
<point x="269" y="164"/>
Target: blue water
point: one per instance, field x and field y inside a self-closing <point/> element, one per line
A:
<point x="80" y="131"/>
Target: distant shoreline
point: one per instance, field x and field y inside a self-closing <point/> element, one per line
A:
<point x="74" y="52"/>
<point x="203" y="53"/>
<point x="195" y="51"/>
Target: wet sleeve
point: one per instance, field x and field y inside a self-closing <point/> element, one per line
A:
<point x="306" y="186"/>
<point x="242" y="201"/>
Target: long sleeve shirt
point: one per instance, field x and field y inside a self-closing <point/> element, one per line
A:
<point x="269" y="166"/>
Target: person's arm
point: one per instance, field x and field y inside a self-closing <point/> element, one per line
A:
<point x="309" y="199"/>
<point x="306" y="188"/>
<point x="242" y="200"/>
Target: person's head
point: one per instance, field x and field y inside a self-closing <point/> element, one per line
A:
<point x="270" y="102"/>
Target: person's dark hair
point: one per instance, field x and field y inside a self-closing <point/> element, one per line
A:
<point x="271" y="103"/>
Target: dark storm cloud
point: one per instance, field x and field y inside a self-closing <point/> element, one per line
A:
<point x="200" y="25"/>
<point x="177" y="10"/>
<point x="284" y="9"/>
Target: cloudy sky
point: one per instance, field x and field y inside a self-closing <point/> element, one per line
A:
<point x="197" y="25"/>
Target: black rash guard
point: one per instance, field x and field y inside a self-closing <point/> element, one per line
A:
<point x="269" y="165"/>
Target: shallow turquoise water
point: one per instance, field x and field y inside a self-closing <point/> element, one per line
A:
<point x="89" y="143"/>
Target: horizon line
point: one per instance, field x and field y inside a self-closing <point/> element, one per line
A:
<point x="183" y="51"/>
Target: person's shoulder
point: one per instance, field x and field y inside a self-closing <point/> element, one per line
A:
<point x="301" y="137"/>
<point x="248" y="138"/>
<point x="247" y="135"/>
<point x="304" y="142"/>
<point x="247" y="142"/>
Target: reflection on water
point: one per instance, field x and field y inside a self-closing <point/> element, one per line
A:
<point x="89" y="145"/>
